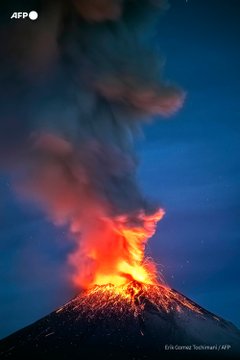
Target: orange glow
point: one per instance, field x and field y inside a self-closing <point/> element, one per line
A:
<point x="114" y="252"/>
<point x="129" y="298"/>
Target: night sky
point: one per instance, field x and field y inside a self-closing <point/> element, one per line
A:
<point x="190" y="163"/>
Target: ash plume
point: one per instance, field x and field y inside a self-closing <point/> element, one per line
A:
<point x="96" y="78"/>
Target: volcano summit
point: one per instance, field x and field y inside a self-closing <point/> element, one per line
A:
<point x="131" y="321"/>
<point x="98" y="78"/>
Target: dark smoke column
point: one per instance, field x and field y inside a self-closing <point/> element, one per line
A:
<point x="82" y="166"/>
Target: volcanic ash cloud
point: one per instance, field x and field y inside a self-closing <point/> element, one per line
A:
<point x="80" y="164"/>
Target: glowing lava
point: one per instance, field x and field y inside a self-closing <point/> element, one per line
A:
<point x="121" y="280"/>
<point x="127" y="299"/>
<point x="112" y="252"/>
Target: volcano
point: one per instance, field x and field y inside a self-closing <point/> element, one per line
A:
<point x="131" y="321"/>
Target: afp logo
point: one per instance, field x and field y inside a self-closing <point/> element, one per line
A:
<point x="32" y="15"/>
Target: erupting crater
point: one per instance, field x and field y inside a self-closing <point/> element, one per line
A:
<point x="129" y="299"/>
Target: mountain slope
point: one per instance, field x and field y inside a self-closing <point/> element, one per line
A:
<point x="134" y="321"/>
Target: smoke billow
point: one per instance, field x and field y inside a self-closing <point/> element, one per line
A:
<point x="102" y="78"/>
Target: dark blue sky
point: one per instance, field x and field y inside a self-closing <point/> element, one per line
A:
<point x="190" y="163"/>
